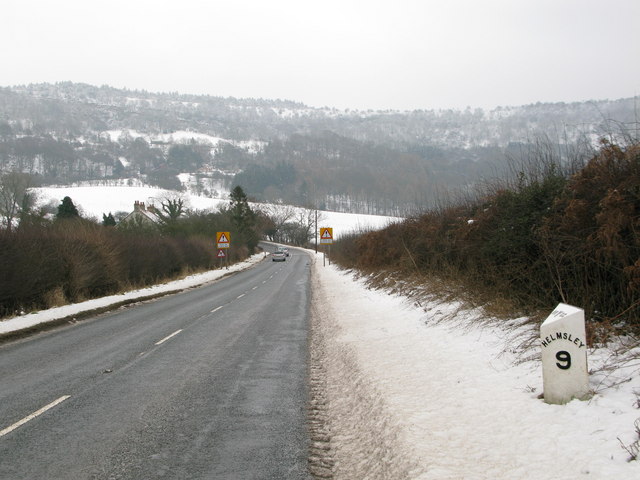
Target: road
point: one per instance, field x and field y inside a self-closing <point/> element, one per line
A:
<point x="209" y="383"/>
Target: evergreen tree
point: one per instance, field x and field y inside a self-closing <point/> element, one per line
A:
<point x="108" y="220"/>
<point x="67" y="209"/>
<point x="243" y="218"/>
<point x="241" y="212"/>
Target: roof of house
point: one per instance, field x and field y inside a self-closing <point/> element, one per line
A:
<point x="142" y="213"/>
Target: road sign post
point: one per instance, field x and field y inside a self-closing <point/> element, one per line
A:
<point x="326" y="238"/>
<point x="223" y="241"/>
<point x="222" y="256"/>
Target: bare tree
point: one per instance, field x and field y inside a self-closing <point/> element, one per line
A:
<point x="303" y="228"/>
<point x="280" y="215"/>
<point x="15" y="198"/>
<point x="308" y="219"/>
<point x="293" y="225"/>
<point x="173" y="206"/>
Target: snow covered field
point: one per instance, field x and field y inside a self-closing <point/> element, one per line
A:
<point x="93" y="201"/>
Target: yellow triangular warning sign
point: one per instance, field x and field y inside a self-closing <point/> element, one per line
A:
<point x="326" y="236"/>
<point x="223" y="239"/>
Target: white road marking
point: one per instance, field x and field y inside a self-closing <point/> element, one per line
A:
<point x="240" y="296"/>
<point x="168" y="337"/>
<point x="216" y="309"/>
<point x="254" y="287"/>
<point x="33" y="415"/>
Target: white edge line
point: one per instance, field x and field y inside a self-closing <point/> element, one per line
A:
<point x="216" y="309"/>
<point x="168" y="337"/>
<point x="33" y="415"/>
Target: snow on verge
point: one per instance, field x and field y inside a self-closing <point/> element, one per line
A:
<point x="409" y="397"/>
<point x="27" y="321"/>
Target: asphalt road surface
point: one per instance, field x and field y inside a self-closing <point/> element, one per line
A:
<point x="209" y="383"/>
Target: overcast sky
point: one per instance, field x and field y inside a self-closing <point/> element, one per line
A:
<point x="372" y="54"/>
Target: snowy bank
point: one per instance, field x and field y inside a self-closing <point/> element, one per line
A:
<point x="411" y="396"/>
<point x="23" y="322"/>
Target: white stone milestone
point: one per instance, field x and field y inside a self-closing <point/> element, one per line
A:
<point x="564" y="355"/>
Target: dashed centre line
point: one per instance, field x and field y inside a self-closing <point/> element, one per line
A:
<point x="56" y="402"/>
<point x="33" y="415"/>
<point x="168" y="337"/>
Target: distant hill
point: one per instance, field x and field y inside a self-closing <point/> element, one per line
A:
<point x="382" y="162"/>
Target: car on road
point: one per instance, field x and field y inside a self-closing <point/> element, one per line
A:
<point x="278" y="256"/>
<point x="285" y="250"/>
